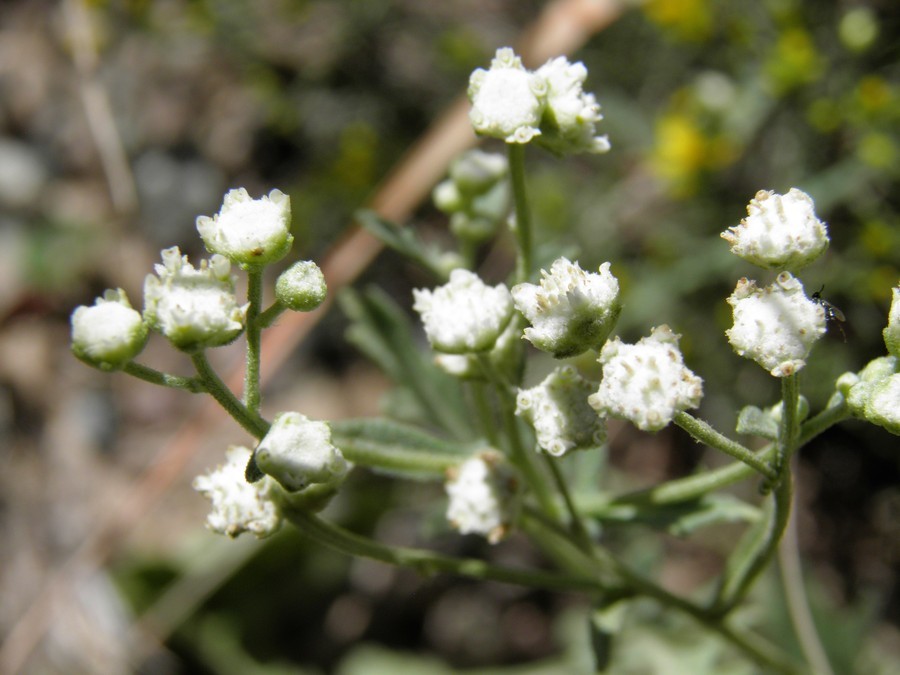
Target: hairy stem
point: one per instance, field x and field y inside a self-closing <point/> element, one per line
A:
<point x="148" y="374"/>
<point x="704" y="433"/>
<point x="249" y="420"/>
<point x="253" y="335"/>
<point x="523" y="214"/>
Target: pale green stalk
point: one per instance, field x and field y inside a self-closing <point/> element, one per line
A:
<point x="255" y="425"/>
<point x="523" y="232"/>
<point x="148" y="374"/>
<point x="253" y="335"/>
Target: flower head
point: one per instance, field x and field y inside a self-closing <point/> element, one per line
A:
<point x="239" y="506"/>
<point x="780" y="232"/>
<point x="507" y="99"/>
<point x="464" y="315"/>
<point x="298" y="452"/>
<point x="108" y="334"/>
<point x="558" y="410"/>
<point x="570" y="116"/>
<point x="874" y="393"/>
<point x="249" y="231"/>
<point x="483" y="493"/>
<point x="646" y="383"/>
<point x="301" y="287"/>
<point x="775" y="326"/>
<point x="193" y="308"/>
<point x="571" y="310"/>
<point x="892" y="330"/>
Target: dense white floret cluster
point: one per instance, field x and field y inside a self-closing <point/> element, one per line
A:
<point x="775" y="326"/>
<point x="249" y="231"/>
<point x="558" y="410"/>
<point x="237" y="505"/>
<point x="780" y="232"/>
<point x="570" y="310"/>
<point x="464" y="315"/>
<point x="298" y="452"/>
<point x="483" y="496"/>
<point x="109" y="333"/>
<point x="647" y="382"/>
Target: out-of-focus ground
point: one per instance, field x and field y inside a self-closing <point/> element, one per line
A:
<point x="120" y="122"/>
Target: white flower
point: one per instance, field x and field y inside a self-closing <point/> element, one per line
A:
<point x="301" y="287"/>
<point x="780" y="232"/>
<point x="239" y="506"/>
<point x="108" y="334"/>
<point x="558" y="410"/>
<point x="483" y="493"/>
<point x="507" y="99"/>
<point x="249" y="231"/>
<point x="892" y="331"/>
<point x="298" y="452"/>
<point x="775" y="326"/>
<point x="646" y="382"/>
<point x="464" y="315"/>
<point x="193" y="308"/>
<point x="570" y="117"/>
<point x="571" y="310"/>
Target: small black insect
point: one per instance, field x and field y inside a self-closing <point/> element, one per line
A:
<point x="832" y="313"/>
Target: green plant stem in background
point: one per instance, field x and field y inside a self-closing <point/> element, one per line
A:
<point x="522" y="214"/>
<point x="427" y="562"/>
<point x="789" y="430"/>
<point x="576" y="524"/>
<point x="191" y="384"/>
<point x="702" y="432"/>
<point x="518" y="455"/>
<point x="253" y="335"/>
<point x="255" y="425"/>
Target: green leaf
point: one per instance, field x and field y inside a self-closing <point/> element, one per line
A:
<point x="397" y="449"/>
<point x="404" y="241"/>
<point x="754" y="421"/>
<point x="384" y="333"/>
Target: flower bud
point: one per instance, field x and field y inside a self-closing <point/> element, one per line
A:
<point x="892" y="331"/>
<point x="483" y="493"/>
<point x="239" y="506"/>
<point x="780" y="232"/>
<point x="507" y="99"/>
<point x="570" y="117"/>
<point x="558" y="410"/>
<point x="301" y="287"/>
<point x="108" y="334"/>
<point x="775" y="326"/>
<point x="249" y="231"/>
<point x="297" y="452"/>
<point x="194" y="308"/>
<point x="571" y="310"/>
<point x="464" y="315"/>
<point x="646" y="383"/>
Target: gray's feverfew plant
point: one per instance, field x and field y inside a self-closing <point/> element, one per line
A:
<point x="504" y="451"/>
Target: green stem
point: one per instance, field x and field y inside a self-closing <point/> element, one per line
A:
<point x="249" y="420"/>
<point x="523" y="213"/>
<point x="521" y="457"/>
<point x="148" y="374"/>
<point x="253" y="334"/>
<point x="704" y="433"/>
<point x="789" y="430"/>
<point x="267" y="317"/>
<point x="375" y="455"/>
<point x="694" y="487"/>
<point x="427" y="562"/>
<point x="576" y="524"/>
<point x="484" y="410"/>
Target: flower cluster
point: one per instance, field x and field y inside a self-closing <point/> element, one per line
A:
<point x="464" y="315"/>
<point x="548" y="105"/>
<point x="239" y="506"/>
<point x="483" y="493"/>
<point x="108" y="334"/>
<point x="571" y="310"/>
<point x="646" y="383"/>
<point x="558" y="410"/>
<point x="776" y="326"/>
<point x="476" y="195"/>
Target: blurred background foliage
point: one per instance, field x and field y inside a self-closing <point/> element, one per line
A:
<point x="705" y="103"/>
